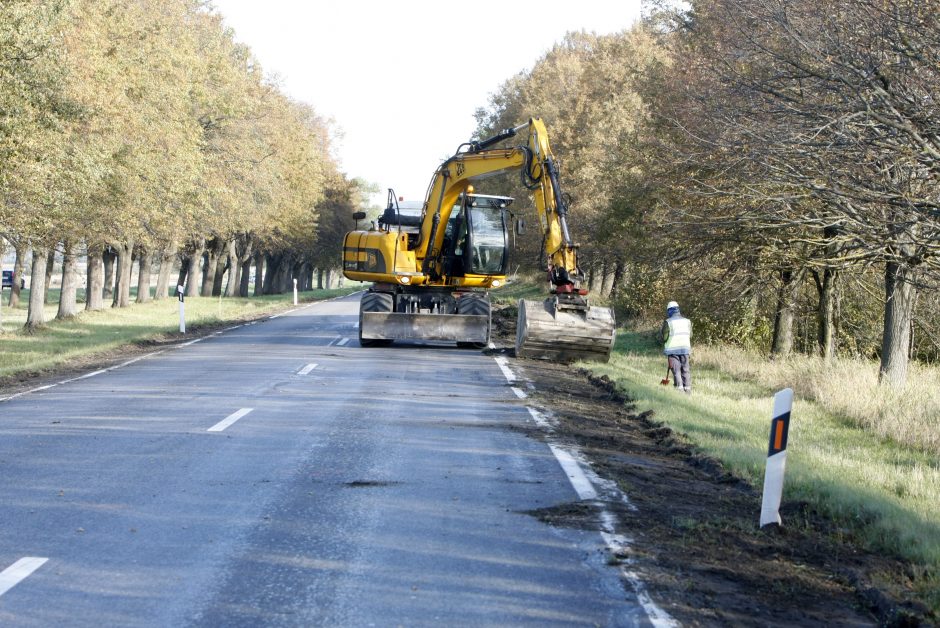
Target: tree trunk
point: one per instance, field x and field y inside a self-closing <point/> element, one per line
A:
<point x="67" y="303"/>
<point x="782" y="343"/>
<point x="94" y="281"/>
<point x="234" y="271"/>
<point x="166" y="268"/>
<point x="50" y="264"/>
<point x="319" y="279"/>
<point x="108" y="258"/>
<point x="212" y="262"/>
<point x="899" y="312"/>
<point x="271" y="268"/>
<point x="19" y="271"/>
<point x="259" y="274"/>
<point x="192" y="274"/>
<point x="35" y="317"/>
<point x="825" y="314"/>
<point x="329" y="279"/>
<point x="223" y="262"/>
<point x="125" y="261"/>
<point x="620" y="272"/>
<point x="143" y="275"/>
<point x="607" y="284"/>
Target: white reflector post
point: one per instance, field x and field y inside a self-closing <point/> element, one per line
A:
<point x="776" y="458"/>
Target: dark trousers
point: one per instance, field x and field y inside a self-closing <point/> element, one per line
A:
<point x="681" y="371"/>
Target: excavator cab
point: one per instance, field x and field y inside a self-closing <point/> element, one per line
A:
<point x="476" y="240"/>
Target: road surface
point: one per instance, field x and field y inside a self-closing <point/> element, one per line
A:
<point x="279" y="474"/>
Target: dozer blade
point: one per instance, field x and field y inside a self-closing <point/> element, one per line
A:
<point x="401" y="326"/>
<point x="563" y="335"/>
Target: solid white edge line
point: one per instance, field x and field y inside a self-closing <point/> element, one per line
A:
<point x="227" y="421"/>
<point x="585" y="489"/>
<point x="305" y="370"/>
<point x="510" y="376"/>
<point x="582" y="486"/>
<point x="18" y="571"/>
<point x="518" y="392"/>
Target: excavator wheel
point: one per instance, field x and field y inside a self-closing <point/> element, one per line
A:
<point x="475" y="305"/>
<point x="563" y="335"/>
<point x="374" y="302"/>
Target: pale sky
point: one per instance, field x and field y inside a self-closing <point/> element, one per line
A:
<point x="401" y="80"/>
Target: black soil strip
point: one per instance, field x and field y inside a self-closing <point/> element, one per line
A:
<point x="696" y="539"/>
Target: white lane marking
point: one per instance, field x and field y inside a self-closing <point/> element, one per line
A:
<point x="334" y="341"/>
<point x="342" y="342"/>
<point x="539" y="418"/>
<point x="46" y="387"/>
<point x="504" y="367"/>
<point x="191" y="342"/>
<point x="579" y="481"/>
<point x="306" y="369"/>
<point x="356" y="325"/>
<point x="518" y="392"/>
<point x="92" y="374"/>
<point x="224" y="423"/>
<point x="574" y="468"/>
<point x="18" y="571"/>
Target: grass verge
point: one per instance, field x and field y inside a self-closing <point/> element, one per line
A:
<point x="92" y="333"/>
<point x="883" y="493"/>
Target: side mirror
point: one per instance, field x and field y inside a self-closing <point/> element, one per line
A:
<point x="520" y="226"/>
<point x="359" y="216"/>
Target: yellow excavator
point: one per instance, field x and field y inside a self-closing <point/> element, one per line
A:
<point x="432" y="266"/>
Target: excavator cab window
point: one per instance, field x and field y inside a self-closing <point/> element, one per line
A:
<point x="487" y="234"/>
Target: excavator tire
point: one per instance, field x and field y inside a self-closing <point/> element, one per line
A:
<point x="374" y="302"/>
<point x="564" y="335"/>
<point x="475" y="305"/>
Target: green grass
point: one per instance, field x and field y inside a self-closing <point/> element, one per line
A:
<point x="885" y="492"/>
<point x="92" y="333"/>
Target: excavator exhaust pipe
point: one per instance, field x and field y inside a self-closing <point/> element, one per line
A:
<point x="543" y="331"/>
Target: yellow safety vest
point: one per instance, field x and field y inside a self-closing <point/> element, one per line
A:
<point x="680" y="334"/>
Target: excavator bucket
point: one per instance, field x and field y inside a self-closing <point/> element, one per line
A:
<point x="544" y="331"/>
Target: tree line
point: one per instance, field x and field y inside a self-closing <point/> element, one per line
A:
<point x="773" y="166"/>
<point x="140" y="130"/>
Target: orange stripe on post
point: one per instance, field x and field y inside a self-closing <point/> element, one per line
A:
<point x="778" y="435"/>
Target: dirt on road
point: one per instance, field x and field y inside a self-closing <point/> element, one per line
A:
<point x="696" y="542"/>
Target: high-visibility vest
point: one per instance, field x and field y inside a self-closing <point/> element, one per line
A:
<point x="680" y="334"/>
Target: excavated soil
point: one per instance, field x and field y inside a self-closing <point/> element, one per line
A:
<point x="696" y="542"/>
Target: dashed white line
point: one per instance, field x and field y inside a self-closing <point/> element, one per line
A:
<point x="518" y="392"/>
<point x="18" y="571"/>
<point x="305" y="370"/>
<point x="572" y="469"/>
<point x="227" y="421"/>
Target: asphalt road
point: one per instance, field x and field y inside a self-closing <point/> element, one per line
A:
<point x="231" y="483"/>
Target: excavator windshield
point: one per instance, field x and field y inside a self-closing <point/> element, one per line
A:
<point x="488" y="234"/>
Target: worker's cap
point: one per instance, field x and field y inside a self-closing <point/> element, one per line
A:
<point x="671" y="305"/>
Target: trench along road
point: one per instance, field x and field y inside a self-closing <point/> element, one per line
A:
<point x="278" y="474"/>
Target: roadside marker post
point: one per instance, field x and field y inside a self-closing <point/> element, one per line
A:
<point x="295" y="291"/>
<point x="776" y="458"/>
<point x="179" y="293"/>
<point x="1" y="307"/>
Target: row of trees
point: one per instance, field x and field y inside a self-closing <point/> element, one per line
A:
<point x="140" y="130"/>
<point x="763" y="162"/>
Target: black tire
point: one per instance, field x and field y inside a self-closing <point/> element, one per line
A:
<point x="475" y="305"/>
<point x="374" y="302"/>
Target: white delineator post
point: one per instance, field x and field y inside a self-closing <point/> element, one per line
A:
<point x="179" y="293"/>
<point x="295" y="292"/>
<point x="776" y="458"/>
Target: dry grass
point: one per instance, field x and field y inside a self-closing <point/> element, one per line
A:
<point x="847" y="388"/>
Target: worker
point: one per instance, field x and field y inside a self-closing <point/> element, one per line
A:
<point x="676" y="335"/>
